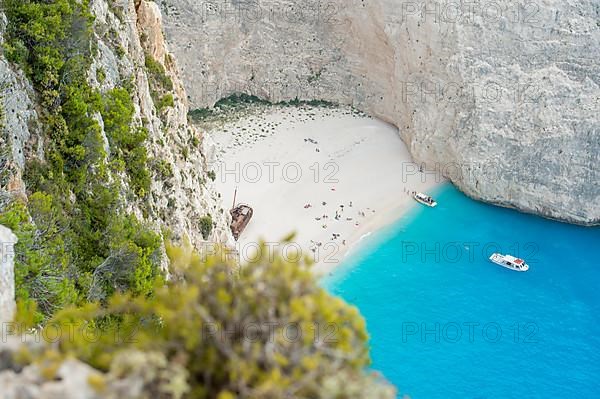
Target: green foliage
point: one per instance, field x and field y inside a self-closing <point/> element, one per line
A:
<point x="224" y="105"/>
<point x="240" y="100"/>
<point x="200" y="114"/>
<point x="120" y="51"/>
<point x="313" y="103"/>
<point x="235" y="100"/>
<point x="206" y="226"/>
<point x="100" y="75"/>
<point x="41" y="259"/>
<point x="54" y="38"/>
<point x="212" y="175"/>
<point x="127" y="141"/>
<point x="16" y="51"/>
<point x="42" y="35"/>
<point x="157" y="73"/>
<point x="185" y="152"/>
<point x="117" y="113"/>
<point x="161" y="85"/>
<point x="165" y="101"/>
<point x="162" y="168"/>
<point x="74" y="222"/>
<point x="267" y="331"/>
<point x="59" y="262"/>
<point x="132" y="261"/>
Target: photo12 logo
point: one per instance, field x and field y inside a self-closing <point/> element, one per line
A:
<point x="273" y="332"/>
<point x="55" y="333"/>
<point x="470" y="12"/>
<point x="129" y="332"/>
<point x="454" y="252"/>
<point x="448" y="92"/>
<point x="271" y="172"/>
<point x="7" y="252"/>
<point x="469" y="332"/>
<point x="438" y="172"/>
<point x="249" y="252"/>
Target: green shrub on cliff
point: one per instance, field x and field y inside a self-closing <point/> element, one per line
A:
<point x="200" y="114"/>
<point x="266" y="331"/>
<point x="127" y="141"/>
<point x="206" y="226"/>
<point x="40" y="257"/>
<point x="74" y="233"/>
<point x="161" y="85"/>
<point x="54" y="261"/>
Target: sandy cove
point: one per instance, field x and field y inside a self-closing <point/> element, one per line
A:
<point x="333" y="176"/>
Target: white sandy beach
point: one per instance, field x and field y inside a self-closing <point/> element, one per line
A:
<point x="331" y="175"/>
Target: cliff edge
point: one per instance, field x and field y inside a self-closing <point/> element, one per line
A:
<point x="500" y="97"/>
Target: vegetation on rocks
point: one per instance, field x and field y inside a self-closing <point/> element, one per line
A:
<point x="206" y="226"/>
<point x="74" y="233"/>
<point x="266" y="331"/>
<point x="126" y="140"/>
<point x="239" y="101"/>
<point x="161" y="85"/>
<point x="85" y="264"/>
<point x="163" y="169"/>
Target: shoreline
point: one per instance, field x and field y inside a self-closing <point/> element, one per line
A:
<point x="371" y="227"/>
<point x="333" y="175"/>
<point x="375" y="226"/>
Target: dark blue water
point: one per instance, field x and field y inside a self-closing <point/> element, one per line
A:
<point x="446" y="323"/>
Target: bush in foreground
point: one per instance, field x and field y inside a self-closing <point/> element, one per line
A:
<point x="266" y="331"/>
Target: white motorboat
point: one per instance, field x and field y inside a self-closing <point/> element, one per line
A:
<point x="510" y="262"/>
<point x="425" y="199"/>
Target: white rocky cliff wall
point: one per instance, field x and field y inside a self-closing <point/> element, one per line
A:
<point x="7" y="275"/>
<point x="177" y="201"/>
<point x="125" y="31"/>
<point x="502" y="97"/>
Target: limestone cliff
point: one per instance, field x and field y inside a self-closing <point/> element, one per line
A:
<point x="125" y="34"/>
<point x="501" y="97"/>
<point x="7" y="275"/>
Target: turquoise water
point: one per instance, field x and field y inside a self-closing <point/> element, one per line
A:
<point x="446" y="323"/>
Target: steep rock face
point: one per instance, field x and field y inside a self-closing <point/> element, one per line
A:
<point x="17" y="124"/>
<point x="180" y="199"/>
<point x="126" y="33"/>
<point x="501" y="97"/>
<point x="7" y="275"/>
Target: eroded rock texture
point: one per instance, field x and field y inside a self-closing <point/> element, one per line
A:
<point x="7" y="275"/>
<point x="125" y="32"/>
<point x="502" y="97"/>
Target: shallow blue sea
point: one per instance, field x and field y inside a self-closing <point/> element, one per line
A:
<point x="447" y="323"/>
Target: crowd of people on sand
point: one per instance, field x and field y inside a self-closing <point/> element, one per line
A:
<point x="339" y="213"/>
<point x="339" y="216"/>
<point x="312" y="141"/>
